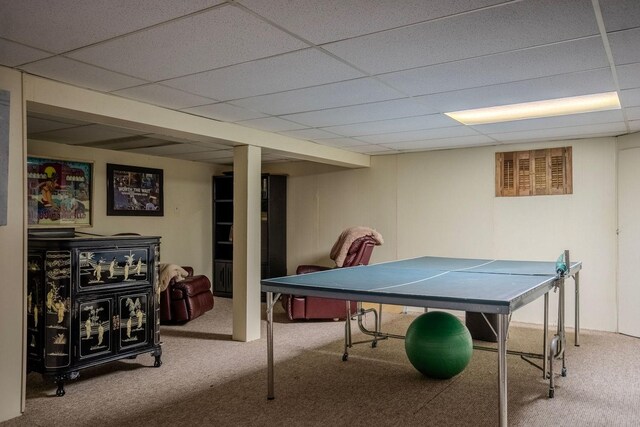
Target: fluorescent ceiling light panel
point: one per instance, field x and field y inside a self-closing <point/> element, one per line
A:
<point x="538" y="109"/>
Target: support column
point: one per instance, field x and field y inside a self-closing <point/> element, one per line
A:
<point x="246" y="243"/>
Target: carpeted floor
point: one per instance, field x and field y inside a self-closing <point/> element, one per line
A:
<point x="207" y="379"/>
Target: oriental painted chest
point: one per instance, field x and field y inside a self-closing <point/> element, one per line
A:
<point x="91" y="300"/>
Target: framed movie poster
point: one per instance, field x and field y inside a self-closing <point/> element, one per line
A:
<point x="60" y="193"/>
<point x="133" y="190"/>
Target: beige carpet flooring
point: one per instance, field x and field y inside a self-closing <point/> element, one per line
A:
<point x="207" y="379"/>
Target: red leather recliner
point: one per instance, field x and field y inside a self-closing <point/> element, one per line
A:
<point x="307" y="307"/>
<point x="187" y="299"/>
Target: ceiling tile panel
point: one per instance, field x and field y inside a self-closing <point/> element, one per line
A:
<point x="169" y="149"/>
<point x="625" y="46"/>
<point x="37" y="125"/>
<point x="224" y="112"/>
<point x="163" y="96"/>
<point x="216" y="38"/>
<point x="205" y="155"/>
<point x="309" y="134"/>
<point x="361" y="113"/>
<point x="561" y="58"/>
<point x="62" y="25"/>
<point x="634" y="126"/>
<point x="633" y="113"/>
<point x="330" y="20"/>
<point x="271" y="124"/>
<point x="629" y="76"/>
<point x="462" y="141"/>
<point x="630" y="97"/>
<point x="14" y="54"/>
<point x="390" y="138"/>
<point x="607" y="129"/>
<point x="128" y="143"/>
<point x="84" y="134"/>
<point x="514" y="26"/>
<point x="79" y="74"/>
<point x="371" y="149"/>
<point x="394" y="125"/>
<point x="339" y="142"/>
<point x="574" y="84"/>
<point x="295" y="70"/>
<point x="219" y="145"/>
<point x="620" y="14"/>
<point x="352" y="92"/>
<point x="610" y="116"/>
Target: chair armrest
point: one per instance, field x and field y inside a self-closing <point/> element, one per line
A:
<point x="192" y="285"/>
<point x="304" y="269"/>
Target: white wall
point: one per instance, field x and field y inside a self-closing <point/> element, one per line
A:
<point x="628" y="234"/>
<point x="185" y="228"/>
<point x="443" y="203"/>
<point x="12" y="255"/>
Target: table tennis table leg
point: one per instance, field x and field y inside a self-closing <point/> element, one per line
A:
<point x="503" y="328"/>
<point x="347" y="333"/>
<point x="271" y="301"/>
<point x="576" y="279"/>
<point x="545" y="336"/>
<point x="562" y="340"/>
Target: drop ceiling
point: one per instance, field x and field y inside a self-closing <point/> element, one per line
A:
<point x="370" y="76"/>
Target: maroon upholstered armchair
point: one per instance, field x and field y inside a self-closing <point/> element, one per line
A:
<point x="358" y="252"/>
<point x="186" y="299"/>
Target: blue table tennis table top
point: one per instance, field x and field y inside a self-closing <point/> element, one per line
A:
<point x="482" y="285"/>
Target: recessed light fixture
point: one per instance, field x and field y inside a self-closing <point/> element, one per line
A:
<point x="538" y="109"/>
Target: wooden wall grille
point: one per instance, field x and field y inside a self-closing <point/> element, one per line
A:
<point x="534" y="172"/>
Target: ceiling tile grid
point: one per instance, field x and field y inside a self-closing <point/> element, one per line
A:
<point x="362" y="75"/>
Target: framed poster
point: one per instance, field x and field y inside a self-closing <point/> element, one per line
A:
<point x="59" y="192"/>
<point x="133" y="190"/>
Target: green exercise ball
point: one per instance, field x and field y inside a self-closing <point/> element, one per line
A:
<point x="438" y="344"/>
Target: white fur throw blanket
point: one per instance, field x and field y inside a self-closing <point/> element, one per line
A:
<point x="168" y="272"/>
<point x="348" y="236"/>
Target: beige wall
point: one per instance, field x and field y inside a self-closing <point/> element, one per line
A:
<point x="185" y="227"/>
<point x="12" y="260"/>
<point x="443" y="203"/>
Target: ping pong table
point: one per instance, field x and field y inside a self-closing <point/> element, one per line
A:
<point x="478" y="285"/>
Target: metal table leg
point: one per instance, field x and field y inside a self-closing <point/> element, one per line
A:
<point x="271" y="301"/>
<point x="576" y="279"/>
<point x="503" y="328"/>
<point x="348" y="343"/>
<point x="545" y="336"/>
